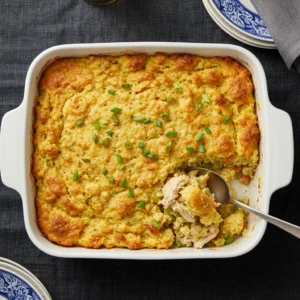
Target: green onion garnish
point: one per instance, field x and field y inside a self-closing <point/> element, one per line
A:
<point x="146" y="121"/>
<point x="110" y="132"/>
<point x="104" y="171"/>
<point x="111" y="180"/>
<point x="124" y="183"/>
<point x="85" y="160"/>
<point x="142" y="204"/>
<point x="229" y="239"/>
<point x="205" y="98"/>
<point x="199" y="105"/>
<point x="158" y="124"/>
<point x="207" y="129"/>
<point x="141" y="144"/>
<point x="103" y="122"/>
<point x="116" y="110"/>
<point x="199" y="137"/>
<point x="95" y="138"/>
<point x="171" y="134"/>
<point x="105" y="142"/>
<point x="111" y="92"/>
<point x="96" y="125"/>
<point x="235" y="207"/>
<point x="152" y="156"/>
<point x="177" y="87"/>
<point x="139" y="118"/>
<point x="155" y="224"/>
<point x="120" y="167"/>
<point x="126" y="86"/>
<point x="115" y="118"/>
<point x="75" y="176"/>
<point x="145" y="152"/>
<point x="201" y="148"/>
<point x="128" y="145"/>
<point x="226" y="120"/>
<point x="190" y="149"/>
<point x="165" y="115"/>
<point x="131" y="192"/>
<point x="168" y="146"/>
<point x="80" y="123"/>
<point x="119" y="158"/>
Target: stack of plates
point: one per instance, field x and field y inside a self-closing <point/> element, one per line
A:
<point x="16" y="282"/>
<point x="240" y="20"/>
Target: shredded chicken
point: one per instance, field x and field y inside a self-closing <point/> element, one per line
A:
<point x="212" y="233"/>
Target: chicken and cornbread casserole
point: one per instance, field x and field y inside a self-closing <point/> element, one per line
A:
<point x="112" y="134"/>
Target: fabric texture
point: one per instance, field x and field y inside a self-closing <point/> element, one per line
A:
<point x="270" y="271"/>
<point x="283" y="21"/>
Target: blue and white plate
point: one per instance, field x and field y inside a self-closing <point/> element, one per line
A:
<point x="17" y="283"/>
<point x="242" y="15"/>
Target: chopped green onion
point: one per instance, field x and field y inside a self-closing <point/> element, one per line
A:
<point x="110" y="132"/>
<point x="226" y="120"/>
<point x="126" y="86"/>
<point x="199" y="137"/>
<point x="155" y="224"/>
<point x="201" y="148"/>
<point x="111" y="92"/>
<point x="141" y="144"/>
<point x="131" y="192"/>
<point x="142" y="204"/>
<point x="116" y="110"/>
<point x="190" y="149"/>
<point x="104" y="171"/>
<point x="177" y="87"/>
<point x="207" y="129"/>
<point x="115" y="118"/>
<point x="205" y="98"/>
<point x="95" y="138"/>
<point x="85" y="160"/>
<point x="171" y="134"/>
<point x="139" y="118"/>
<point x="168" y="146"/>
<point x="111" y="180"/>
<point x="128" y="145"/>
<point x="105" y="142"/>
<point x="199" y="105"/>
<point x="165" y="115"/>
<point x="96" y="125"/>
<point x="146" y="121"/>
<point x="158" y="124"/>
<point x="119" y="158"/>
<point x="229" y="239"/>
<point x="235" y="207"/>
<point x="75" y="176"/>
<point x="120" y="167"/>
<point x="145" y="152"/>
<point x="152" y="156"/>
<point x="80" y="123"/>
<point x="124" y="183"/>
<point x="103" y="122"/>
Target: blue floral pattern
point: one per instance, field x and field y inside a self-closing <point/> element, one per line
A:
<point x="14" y="288"/>
<point x="243" y="18"/>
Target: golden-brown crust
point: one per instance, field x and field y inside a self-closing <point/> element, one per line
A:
<point x="91" y="212"/>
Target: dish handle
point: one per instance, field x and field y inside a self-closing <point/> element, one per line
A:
<point x="10" y="148"/>
<point x="281" y="149"/>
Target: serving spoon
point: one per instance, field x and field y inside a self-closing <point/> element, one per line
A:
<point x="218" y="186"/>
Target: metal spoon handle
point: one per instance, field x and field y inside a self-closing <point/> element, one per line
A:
<point x="288" y="227"/>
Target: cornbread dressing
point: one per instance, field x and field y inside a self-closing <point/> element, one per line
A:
<point x="111" y="131"/>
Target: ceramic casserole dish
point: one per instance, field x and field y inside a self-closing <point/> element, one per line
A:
<point x="274" y="170"/>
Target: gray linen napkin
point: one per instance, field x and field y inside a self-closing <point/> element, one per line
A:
<point x="282" y="18"/>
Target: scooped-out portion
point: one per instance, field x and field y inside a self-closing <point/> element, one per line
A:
<point x="197" y="219"/>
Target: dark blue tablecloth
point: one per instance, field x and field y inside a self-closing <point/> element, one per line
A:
<point x="270" y="271"/>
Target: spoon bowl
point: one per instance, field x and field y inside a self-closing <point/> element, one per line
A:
<point x="218" y="186"/>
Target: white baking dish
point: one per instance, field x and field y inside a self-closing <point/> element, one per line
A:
<point x="274" y="171"/>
